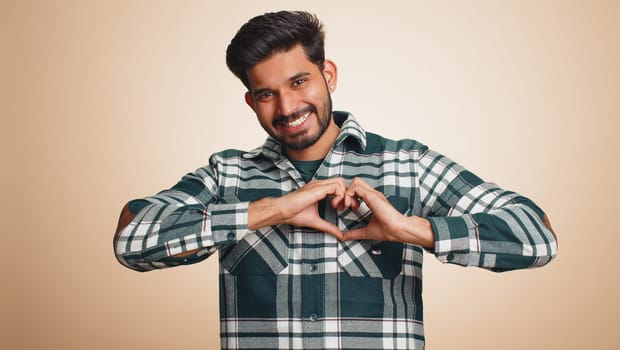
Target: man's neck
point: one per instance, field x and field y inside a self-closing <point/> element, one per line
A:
<point x="320" y="149"/>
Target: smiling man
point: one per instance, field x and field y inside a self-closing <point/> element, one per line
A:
<point x="321" y="230"/>
<point x="290" y="96"/>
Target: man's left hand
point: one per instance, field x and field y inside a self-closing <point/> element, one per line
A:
<point x="387" y="223"/>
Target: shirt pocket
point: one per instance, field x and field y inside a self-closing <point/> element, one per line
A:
<point x="376" y="259"/>
<point x="263" y="252"/>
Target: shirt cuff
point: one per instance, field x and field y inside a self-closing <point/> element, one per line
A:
<point x="229" y="222"/>
<point x="454" y="237"/>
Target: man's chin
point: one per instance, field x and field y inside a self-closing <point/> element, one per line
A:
<point x="300" y="143"/>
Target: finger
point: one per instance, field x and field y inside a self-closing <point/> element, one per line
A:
<point x="350" y="201"/>
<point x="357" y="192"/>
<point x="331" y="181"/>
<point x="354" y="186"/>
<point x="321" y="189"/>
<point x="355" y="202"/>
<point x="362" y="191"/>
<point x="339" y="202"/>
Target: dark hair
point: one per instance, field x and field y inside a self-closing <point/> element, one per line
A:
<point x="274" y="32"/>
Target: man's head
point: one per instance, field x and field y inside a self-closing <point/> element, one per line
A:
<point x="264" y="35"/>
<point x="280" y="59"/>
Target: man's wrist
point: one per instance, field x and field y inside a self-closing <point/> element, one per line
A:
<point x="420" y="231"/>
<point x="263" y="212"/>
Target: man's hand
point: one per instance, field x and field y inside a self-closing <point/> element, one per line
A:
<point x="386" y="223"/>
<point x="300" y="207"/>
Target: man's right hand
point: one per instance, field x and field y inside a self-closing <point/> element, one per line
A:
<point x="300" y="207"/>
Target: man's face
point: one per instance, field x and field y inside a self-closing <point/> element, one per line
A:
<point x="290" y="96"/>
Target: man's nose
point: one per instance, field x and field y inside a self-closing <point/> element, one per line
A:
<point x="287" y="103"/>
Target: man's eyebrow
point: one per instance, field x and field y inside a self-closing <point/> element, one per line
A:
<point x="299" y="75"/>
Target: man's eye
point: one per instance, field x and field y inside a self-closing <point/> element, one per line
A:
<point x="265" y="95"/>
<point x="299" y="82"/>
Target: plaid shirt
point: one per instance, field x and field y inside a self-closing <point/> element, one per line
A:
<point x="285" y="287"/>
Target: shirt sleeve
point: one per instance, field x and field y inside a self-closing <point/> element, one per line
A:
<point x="181" y="225"/>
<point x="477" y="223"/>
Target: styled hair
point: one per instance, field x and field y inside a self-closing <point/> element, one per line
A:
<point x="274" y="32"/>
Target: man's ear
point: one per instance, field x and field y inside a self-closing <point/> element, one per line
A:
<point x="330" y="72"/>
<point x="249" y="100"/>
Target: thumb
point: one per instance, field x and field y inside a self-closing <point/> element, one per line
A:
<point x="355" y="234"/>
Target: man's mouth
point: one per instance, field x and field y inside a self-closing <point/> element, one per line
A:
<point x="297" y="121"/>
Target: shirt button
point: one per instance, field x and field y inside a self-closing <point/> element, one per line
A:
<point x="231" y="236"/>
<point x="450" y="257"/>
<point x="313" y="318"/>
<point x="312" y="268"/>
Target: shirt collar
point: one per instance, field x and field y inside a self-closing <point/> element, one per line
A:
<point x="350" y="129"/>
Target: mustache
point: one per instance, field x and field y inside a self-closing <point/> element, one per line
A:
<point x="285" y="118"/>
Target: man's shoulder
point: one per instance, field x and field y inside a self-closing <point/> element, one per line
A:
<point x="237" y="155"/>
<point x="376" y="143"/>
<point x="229" y="153"/>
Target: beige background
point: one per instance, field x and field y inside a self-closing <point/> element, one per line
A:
<point x="104" y="101"/>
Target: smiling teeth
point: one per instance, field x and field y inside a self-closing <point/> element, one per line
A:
<point x="299" y="121"/>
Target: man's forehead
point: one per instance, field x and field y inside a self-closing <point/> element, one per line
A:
<point x="281" y="67"/>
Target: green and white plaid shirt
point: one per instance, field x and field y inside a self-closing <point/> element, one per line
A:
<point x="285" y="287"/>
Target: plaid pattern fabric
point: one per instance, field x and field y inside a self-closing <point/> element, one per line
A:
<point x="284" y="287"/>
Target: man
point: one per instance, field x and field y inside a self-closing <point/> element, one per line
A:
<point x="321" y="230"/>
